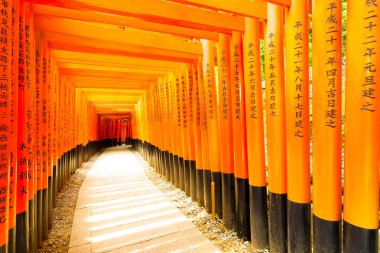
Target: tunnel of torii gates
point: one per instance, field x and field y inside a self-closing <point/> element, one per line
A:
<point x="182" y="81"/>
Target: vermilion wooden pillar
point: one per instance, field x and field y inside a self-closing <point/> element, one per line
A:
<point x="5" y="95"/>
<point x="205" y="140"/>
<point x="276" y="129"/>
<point x="239" y="137"/>
<point x="225" y="125"/>
<point x="22" y="220"/>
<point x="362" y="123"/>
<point x="255" y="136"/>
<point x="213" y="123"/>
<point x="297" y="126"/>
<point x="327" y="125"/>
<point x="13" y="128"/>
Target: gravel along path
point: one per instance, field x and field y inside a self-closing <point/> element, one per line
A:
<point x="63" y="214"/>
<point x="224" y="239"/>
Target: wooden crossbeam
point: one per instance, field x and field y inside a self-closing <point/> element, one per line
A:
<point x="104" y="73"/>
<point x="88" y="67"/>
<point x="122" y="21"/>
<point x="108" y="90"/>
<point x="284" y="3"/>
<point x="255" y="9"/>
<point x="158" y="11"/>
<point x="95" y="46"/>
<point x="93" y="31"/>
<point x="110" y="60"/>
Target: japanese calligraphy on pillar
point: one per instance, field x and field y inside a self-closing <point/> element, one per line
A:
<point x="178" y="99"/>
<point x="237" y="81"/>
<point x="13" y="117"/>
<point x="202" y="99"/>
<point x="224" y="80"/>
<point x="271" y="49"/>
<point x="209" y="91"/>
<point x="252" y="81"/>
<point x="299" y="82"/>
<point x="5" y="87"/>
<point x="190" y="93"/>
<point x="30" y="95"/>
<point x="369" y="68"/>
<point x="38" y="118"/>
<point x="197" y="99"/>
<point x="183" y="96"/>
<point x="332" y="64"/>
<point x="22" y="169"/>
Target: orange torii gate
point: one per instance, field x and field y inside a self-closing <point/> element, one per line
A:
<point x="216" y="95"/>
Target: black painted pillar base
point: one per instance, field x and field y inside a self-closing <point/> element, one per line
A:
<point x="22" y="232"/>
<point x="229" y="201"/>
<point x="57" y="179"/>
<point x="50" y="203"/>
<point x="39" y="218"/>
<point x="181" y="173"/>
<point x="4" y="248"/>
<point x="32" y="225"/>
<point x="187" y="177"/>
<point x="167" y="165"/>
<point x="171" y="168"/>
<point x="200" y="187"/>
<point x="259" y="217"/>
<point x="45" y="218"/>
<point x="54" y="187"/>
<point x="12" y="240"/>
<point x="176" y="170"/>
<point x="326" y="235"/>
<point x="242" y="209"/>
<point x="299" y="227"/>
<point x="357" y="239"/>
<point x="207" y="190"/>
<point x="216" y="178"/>
<point x="59" y="174"/>
<point x="193" y="181"/>
<point x="278" y="234"/>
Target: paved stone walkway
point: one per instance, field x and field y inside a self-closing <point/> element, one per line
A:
<point x="120" y="210"/>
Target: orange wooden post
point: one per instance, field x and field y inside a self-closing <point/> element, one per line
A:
<point x="22" y="219"/>
<point x="167" y="124"/>
<point x="5" y="84"/>
<point x="297" y="126"/>
<point x="54" y="134"/>
<point x="13" y="128"/>
<point x="30" y="107"/>
<point x="276" y="129"/>
<point x="50" y="149"/>
<point x="198" y="137"/>
<point x="225" y="127"/>
<point x="239" y="137"/>
<point x="180" y="140"/>
<point x="39" y="130"/>
<point x="191" y="125"/>
<point x="212" y="122"/>
<point x="205" y="140"/>
<point x="327" y="113"/>
<point x="162" y="125"/>
<point x="44" y="144"/>
<point x="185" y="127"/>
<point x="255" y="136"/>
<point x="175" y="130"/>
<point x="362" y="122"/>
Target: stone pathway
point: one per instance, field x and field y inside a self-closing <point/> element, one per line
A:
<point x="120" y="210"/>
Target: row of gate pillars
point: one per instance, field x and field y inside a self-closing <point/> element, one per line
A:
<point x="245" y="153"/>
